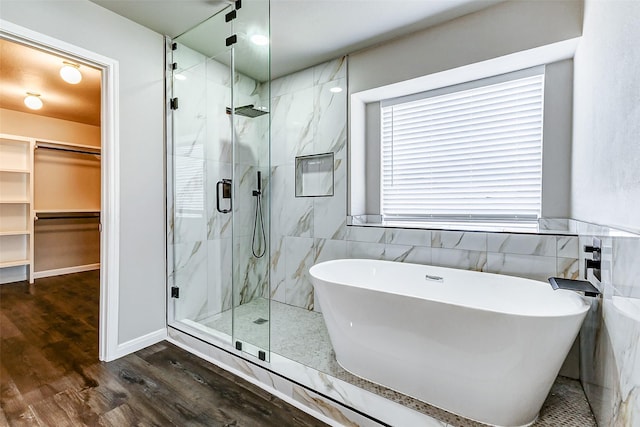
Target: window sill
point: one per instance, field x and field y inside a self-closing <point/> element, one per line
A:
<point x="555" y="226"/>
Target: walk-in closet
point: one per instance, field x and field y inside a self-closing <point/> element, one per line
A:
<point x="50" y="165"/>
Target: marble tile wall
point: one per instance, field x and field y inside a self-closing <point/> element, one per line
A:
<point x="307" y="118"/>
<point x="610" y="336"/>
<point x="201" y="154"/>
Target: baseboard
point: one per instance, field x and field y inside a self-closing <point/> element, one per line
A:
<point x="66" y="270"/>
<point x="138" y="344"/>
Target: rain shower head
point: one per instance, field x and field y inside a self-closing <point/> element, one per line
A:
<point x="249" y="111"/>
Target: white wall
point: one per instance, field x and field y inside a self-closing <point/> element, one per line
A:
<point x="140" y="53"/>
<point x="606" y="141"/>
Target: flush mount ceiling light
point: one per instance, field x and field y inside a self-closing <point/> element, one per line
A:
<point x="33" y="101"/>
<point x="70" y="73"/>
<point x="336" y="89"/>
<point x="259" y="40"/>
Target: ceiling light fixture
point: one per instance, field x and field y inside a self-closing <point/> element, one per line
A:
<point x="335" y="89"/>
<point x="180" y="77"/>
<point x="33" y="101"/>
<point x="259" y="40"/>
<point x="70" y="73"/>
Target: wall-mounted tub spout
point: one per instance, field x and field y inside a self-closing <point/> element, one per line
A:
<point x="574" y="285"/>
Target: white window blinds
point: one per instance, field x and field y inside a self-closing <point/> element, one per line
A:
<point x="189" y="182"/>
<point x="465" y="154"/>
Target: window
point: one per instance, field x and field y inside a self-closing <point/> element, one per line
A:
<point x="189" y="182"/>
<point x="467" y="152"/>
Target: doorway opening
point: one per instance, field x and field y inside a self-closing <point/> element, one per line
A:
<point x="59" y="201"/>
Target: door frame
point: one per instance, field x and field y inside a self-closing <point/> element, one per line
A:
<point x="109" y="174"/>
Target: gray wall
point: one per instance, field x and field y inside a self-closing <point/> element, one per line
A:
<point x="490" y="33"/>
<point x="140" y="53"/>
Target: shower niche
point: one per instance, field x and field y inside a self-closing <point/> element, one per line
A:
<point x="218" y="143"/>
<point x="314" y="175"/>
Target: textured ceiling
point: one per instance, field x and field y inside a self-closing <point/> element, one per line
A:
<point x="24" y="69"/>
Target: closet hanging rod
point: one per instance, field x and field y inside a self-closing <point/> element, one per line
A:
<point x="73" y="150"/>
<point x="48" y="216"/>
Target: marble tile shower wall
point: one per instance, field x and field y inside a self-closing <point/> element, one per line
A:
<point x="309" y="119"/>
<point x="202" y="155"/>
<point x="610" y="336"/>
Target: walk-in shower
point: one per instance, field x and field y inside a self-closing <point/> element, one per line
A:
<point x="218" y="186"/>
<point x="237" y="262"/>
<point x="241" y="237"/>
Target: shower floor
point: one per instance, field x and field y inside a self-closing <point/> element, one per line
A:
<point x="296" y="333"/>
<point x="300" y="335"/>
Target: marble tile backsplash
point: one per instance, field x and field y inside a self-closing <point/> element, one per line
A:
<point x="415" y="246"/>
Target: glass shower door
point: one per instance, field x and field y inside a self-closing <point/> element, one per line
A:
<point x="251" y="140"/>
<point x="219" y="127"/>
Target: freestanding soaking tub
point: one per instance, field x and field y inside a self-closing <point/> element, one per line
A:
<point x="484" y="346"/>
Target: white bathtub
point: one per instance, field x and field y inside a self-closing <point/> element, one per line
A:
<point x="484" y="346"/>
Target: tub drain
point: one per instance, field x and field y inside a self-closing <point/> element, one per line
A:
<point x="260" y="321"/>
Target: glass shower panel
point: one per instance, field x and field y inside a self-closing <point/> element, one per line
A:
<point x="218" y="174"/>
<point x="251" y="119"/>
<point x="200" y="156"/>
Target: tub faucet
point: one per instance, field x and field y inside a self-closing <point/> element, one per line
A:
<point x="595" y="262"/>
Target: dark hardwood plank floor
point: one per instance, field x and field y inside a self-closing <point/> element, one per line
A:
<point x="50" y="374"/>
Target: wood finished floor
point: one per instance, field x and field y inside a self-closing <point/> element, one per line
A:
<point x="50" y="374"/>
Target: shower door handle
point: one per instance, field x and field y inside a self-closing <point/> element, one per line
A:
<point x="223" y="191"/>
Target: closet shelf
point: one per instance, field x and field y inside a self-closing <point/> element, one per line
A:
<point x="15" y="202"/>
<point x="17" y="263"/>
<point x="14" y="233"/>
<point x="10" y="170"/>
